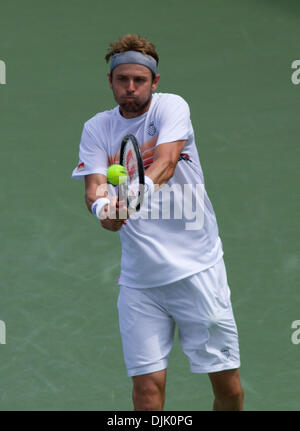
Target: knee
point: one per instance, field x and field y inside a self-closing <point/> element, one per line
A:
<point x="232" y="395"/>
<point x="148" y="397"/>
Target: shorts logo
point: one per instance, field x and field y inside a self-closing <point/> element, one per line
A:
<point x="80" y="166"/>
<point x="226" y="352"/>
<point x="151" y="129"/>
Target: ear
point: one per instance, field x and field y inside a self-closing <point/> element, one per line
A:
<point x="155" y="82"/>
<point x="109" y="79"/>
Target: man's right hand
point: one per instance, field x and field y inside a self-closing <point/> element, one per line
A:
<point x="114" y="215"/>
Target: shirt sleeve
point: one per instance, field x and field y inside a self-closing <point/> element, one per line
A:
<point x="92" y="156"/>
<point x="174" y="120"/>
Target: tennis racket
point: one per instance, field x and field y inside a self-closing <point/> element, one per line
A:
<point x="132" y="190"/>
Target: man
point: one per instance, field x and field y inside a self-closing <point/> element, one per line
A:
<point x="172" y="272"/>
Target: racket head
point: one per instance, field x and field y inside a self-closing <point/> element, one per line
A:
<point x="131" y="159"/>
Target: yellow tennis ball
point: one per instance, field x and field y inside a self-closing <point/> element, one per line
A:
<point x="116" y="174"/>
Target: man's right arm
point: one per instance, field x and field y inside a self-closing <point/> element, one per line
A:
<point x="95" y="188"/>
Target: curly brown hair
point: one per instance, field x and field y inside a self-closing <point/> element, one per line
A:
<point x="132" y="42"/>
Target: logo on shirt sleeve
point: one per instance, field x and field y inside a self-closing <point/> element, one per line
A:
<point x="152" y="130"/>
<point x="185" y="156"/>
<point x="80" y="166"/>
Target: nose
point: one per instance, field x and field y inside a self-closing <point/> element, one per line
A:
<point x="131" y="86"/>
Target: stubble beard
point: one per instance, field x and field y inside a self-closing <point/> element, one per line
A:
<point x="134" y="107"/>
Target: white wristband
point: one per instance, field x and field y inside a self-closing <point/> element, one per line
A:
<point x="149" y="185"/>
<point x="98" y="205"/>
<point x="135" y="187"/>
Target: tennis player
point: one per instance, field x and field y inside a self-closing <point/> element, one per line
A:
<point x="171" y="275"/>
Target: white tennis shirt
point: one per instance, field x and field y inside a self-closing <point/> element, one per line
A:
<point x="175" y="234"/>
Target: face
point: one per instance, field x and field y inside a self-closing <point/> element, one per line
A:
<point x="132" y="86"/>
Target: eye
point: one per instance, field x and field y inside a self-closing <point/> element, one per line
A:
<point x="140" y="79"/>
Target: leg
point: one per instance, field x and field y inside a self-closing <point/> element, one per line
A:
<point x="147" y="332"/>
<point x="229" y="394"/>
<point x="149" y="391"/>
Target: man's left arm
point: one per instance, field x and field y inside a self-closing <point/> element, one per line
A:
<point x="164" y="162"/>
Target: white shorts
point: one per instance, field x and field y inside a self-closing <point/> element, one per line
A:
<point x="199" y="305"/>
